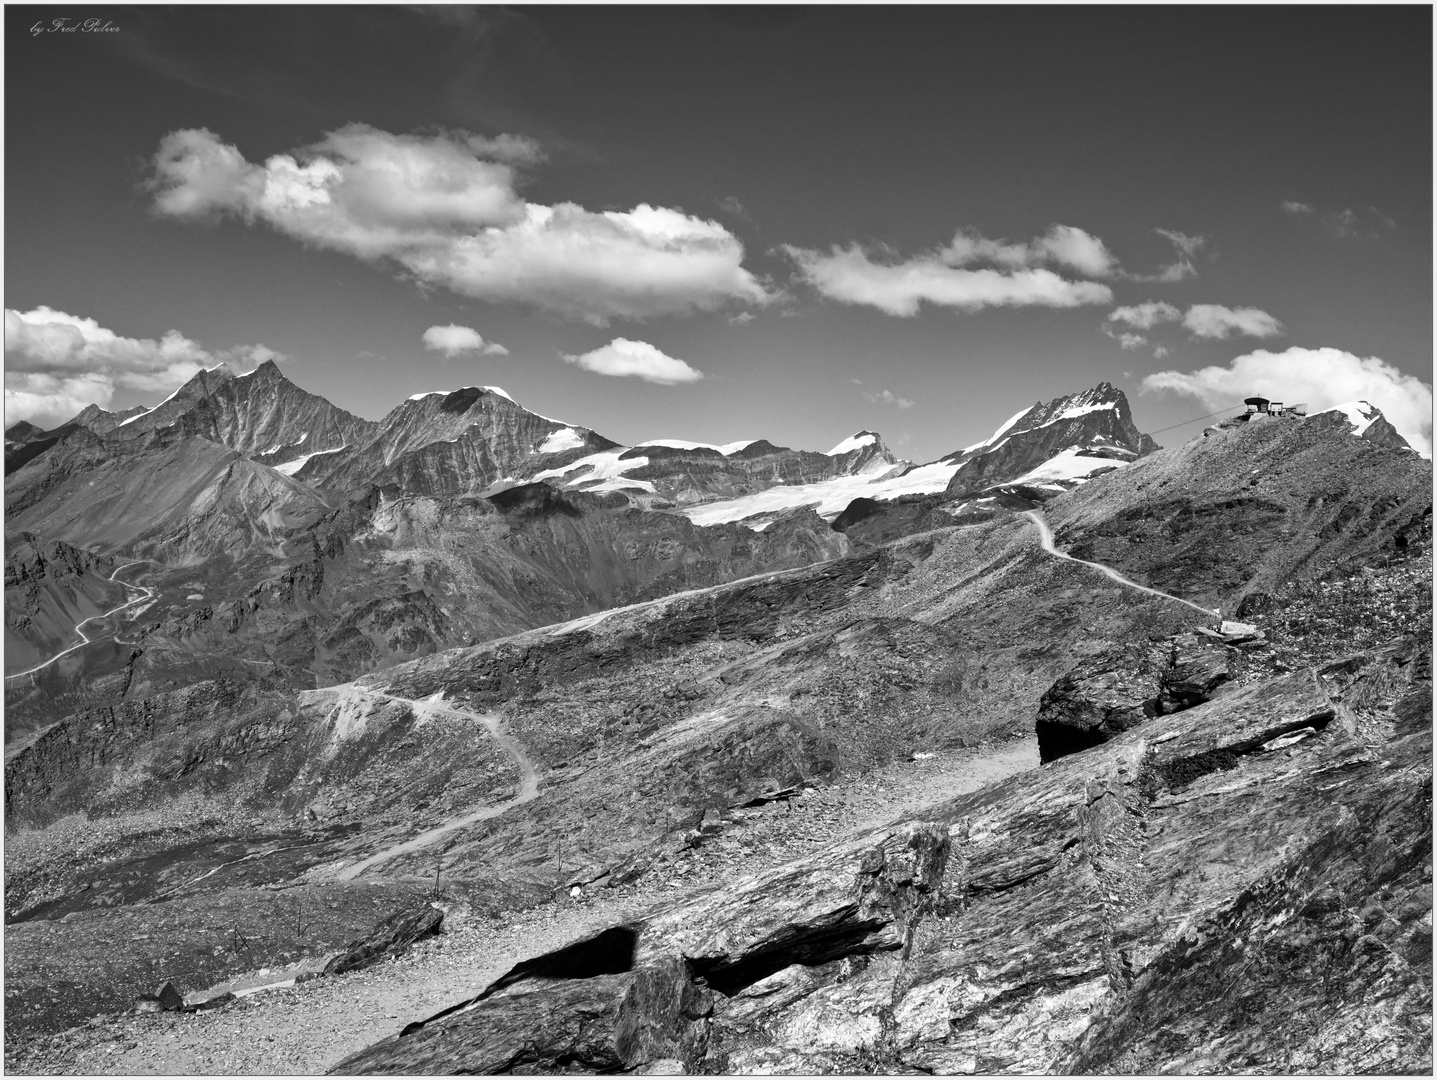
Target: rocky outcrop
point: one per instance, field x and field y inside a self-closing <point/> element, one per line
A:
<point x="1109" y="693"/>
<point x="683" y="982"/>
<point x="390" y="938"/>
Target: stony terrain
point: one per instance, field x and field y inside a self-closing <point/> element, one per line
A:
<point x="795" y="864"/>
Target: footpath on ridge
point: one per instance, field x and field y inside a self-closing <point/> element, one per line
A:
<point x="1045" y="537"/>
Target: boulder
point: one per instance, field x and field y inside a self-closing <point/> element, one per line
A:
<point x="389" y="938"/>
<point x="1101" y="697"/>
<point x="169" y="998"/>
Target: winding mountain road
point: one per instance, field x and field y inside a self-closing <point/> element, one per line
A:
<point x="85" y="639"/>
<point x="528" y="780"/>
<point x="1045" y="537"/>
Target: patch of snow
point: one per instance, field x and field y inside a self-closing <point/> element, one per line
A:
<point x="827" y="497"/>
<point x="1067" y="465"/>
<point x="1001" y="428"/>
<point x="498" y="390"/>
<point x="289" y="468"/>
<point x="1360" y="414"/>
<point x="429" y="393"/>
<point x="600" y="472"/>
<point x="684" y="444"/>
<point x="854" y="442"/>
<point x="147" y="412"/>
<point x="1079" y="410"/>
<point x="561" y="440"/>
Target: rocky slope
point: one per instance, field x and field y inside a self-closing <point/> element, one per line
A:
<point x="1080" y="916"/>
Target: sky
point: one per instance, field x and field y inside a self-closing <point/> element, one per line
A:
<point x="724" y="223"/>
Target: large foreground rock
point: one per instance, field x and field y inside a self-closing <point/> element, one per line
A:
<point x="640" y="994"/>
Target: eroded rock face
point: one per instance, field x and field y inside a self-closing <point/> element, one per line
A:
<point x="1114" y="691"/>
<point x="699" y="981"/>
<point x="1245" y="885"/>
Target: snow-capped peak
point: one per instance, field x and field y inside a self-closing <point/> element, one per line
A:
<point x="854" y="442"/>
<point x="1360" y="414"/>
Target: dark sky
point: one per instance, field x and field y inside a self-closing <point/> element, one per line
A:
<point x="818" y="161"/>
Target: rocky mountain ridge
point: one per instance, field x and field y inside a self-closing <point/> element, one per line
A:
<point x="1202" y="888"/>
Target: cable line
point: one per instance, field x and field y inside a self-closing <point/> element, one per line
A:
<point x="1194" y="420"/>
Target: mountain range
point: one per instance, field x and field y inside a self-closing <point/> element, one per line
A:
<point x="291" y="541"/>
<point x="1062" y="752"/>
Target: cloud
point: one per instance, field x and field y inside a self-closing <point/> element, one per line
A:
<point x="1064" y="245"/>
<point x="742" y="318"/>
<point x="452" y="340"/>
<point x="622" y="357"/>
<point x="850" y="276"/>
<point x="1160" y="351"/>
<point x="1216" y="321"/>
<point x="1182" y="266"/>
<point x="731" y="204"/>
<point x="887" y="397"/>
<point x="1146" y="315"/>
<point x="1321" y="378"/>
<point x="1345" y="224"/>
<point x="56" y="364"/>
<point x="445" y="209"/>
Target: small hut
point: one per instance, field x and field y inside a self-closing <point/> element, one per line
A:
<point x="1257" y="405"/>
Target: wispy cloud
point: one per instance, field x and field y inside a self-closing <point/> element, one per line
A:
<point x="1186" y="248"/>
<point x="445" y="208"/>
<point x="1146" y="315"/>
<point x="1347" y="224"/>
<point x="56" y="363"/>
<point x="1216" y="321"/>
<point x="452" y="340"/>
<point x="1201" y="320"/>
<point x="888" y="397"/>
<point x="622" y="357"/>
<point x="1062" y="245"/>
<point x="1320" y="378"/>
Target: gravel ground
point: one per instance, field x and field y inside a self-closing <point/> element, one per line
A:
<point x="306" y="1029"/>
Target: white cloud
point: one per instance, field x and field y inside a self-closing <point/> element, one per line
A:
<point x="1065" y="245"/>
<point x="446" y="209"/>
<point x="887" y="397"/>
<point x="1160" y="351"/>
<point x="850" y="276"/>
<point x="1320" y="378"/>
<point x="1216" y="321"/>
<point x="1292" y="206"/>
<point x="1132" y="341"/>
<point x="452" y="340"/>
<point x="1146" y="315"/>
<point x="56" y="363"/>
<point x="622" y="357"/>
